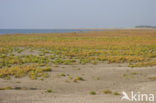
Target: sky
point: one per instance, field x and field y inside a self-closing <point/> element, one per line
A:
<point x="62" y="14"/>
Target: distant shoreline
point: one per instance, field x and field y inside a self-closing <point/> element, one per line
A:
<point x="30" y="31"/>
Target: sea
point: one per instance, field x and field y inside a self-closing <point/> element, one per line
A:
<point x="29" y="31"/>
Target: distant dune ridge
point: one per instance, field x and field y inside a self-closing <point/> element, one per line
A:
<point x="145" y="26"/>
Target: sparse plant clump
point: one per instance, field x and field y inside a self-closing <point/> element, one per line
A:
<point x="5" y="88"/>
<point x="79" y="78"/>
<point x="2" y="88"/>
<point x="45" y="75"/>
<point x="76" y="79"/>
<point x="17" y="88"/>
<point x="92" y="93"/>
<point x="98" y="78"/>
<point x="70" y="77"/>
<point x="116" y="93"/>
<point x="20" y="71"/>
<point x="124" y="75"/>
<point x="49" y="91"/>
<point x="33" y="75"/>
<point x="107" y="91"/>
<point x="47" y="69"/>
<point x="78" y="69"/>
<point x="144" y="64"/>
<point x="152" y="78"/>
<point x="61" y="74"/>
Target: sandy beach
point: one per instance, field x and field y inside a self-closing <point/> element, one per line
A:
<point x="97" y="78"/>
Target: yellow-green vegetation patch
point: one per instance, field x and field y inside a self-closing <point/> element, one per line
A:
<point x="144" y="64"/>
<point x="23" y="70"/>
<point x="135" y="47"/>
<point x="61" y="74"/>
<point x="92" y="93"/>
<point x="116" y="93"/>
<point x="107" y="91"/>
<point x="49" y="91"/>
<point x="5" y="88"/>
<point x="76" y="79"/>
<point x="152" y="78"/>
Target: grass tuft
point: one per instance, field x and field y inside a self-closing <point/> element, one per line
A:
<point x="92" y="93"/>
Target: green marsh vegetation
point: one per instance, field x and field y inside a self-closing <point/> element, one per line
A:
<point x="134" y="47"/>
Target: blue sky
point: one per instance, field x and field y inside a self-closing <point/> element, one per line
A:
<point x="76" y="13"/>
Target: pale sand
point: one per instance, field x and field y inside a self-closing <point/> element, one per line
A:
<point x="110" y="77"/>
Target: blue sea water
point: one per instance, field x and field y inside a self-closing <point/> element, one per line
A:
<point x="28" y="31"/>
